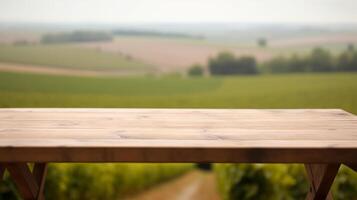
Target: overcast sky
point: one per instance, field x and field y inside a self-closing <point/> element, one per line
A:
<point x="142" y="11"/>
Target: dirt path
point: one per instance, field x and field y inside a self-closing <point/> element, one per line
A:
<point x="24" y="68"/>
<point x="195" y="185"/>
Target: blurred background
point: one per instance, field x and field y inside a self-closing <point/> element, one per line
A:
<point x="179" y="54"/>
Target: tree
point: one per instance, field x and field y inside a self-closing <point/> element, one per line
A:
<point x="350" y="47"/>
<point x="76" y="36"/>
<point x="246" y="65"/>
<point x="320" y="60"/>
<point x="262" y="42"/>
<point x="223" y="64"/>
<point x="297" y="64"/>
<point x="276" y="65"/>
<point x="280" y="64"/>
<point x="196" y="70"/>
<point x="347" y="61"/>
<point x="227" y="64"/>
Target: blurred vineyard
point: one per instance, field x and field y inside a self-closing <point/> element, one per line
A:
<point x="276" y="181"/>
<point x="99" y="181"/>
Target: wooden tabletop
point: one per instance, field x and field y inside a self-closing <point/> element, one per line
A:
<point x="178" y="135"/>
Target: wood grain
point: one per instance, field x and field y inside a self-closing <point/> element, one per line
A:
<point x="178" y="135"/>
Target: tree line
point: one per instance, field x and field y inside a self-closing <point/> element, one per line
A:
<point x="145" y="33"/>
<point x="89" y="36"/>
<point x="318" y="60"/>
<point x="76" y="36"/>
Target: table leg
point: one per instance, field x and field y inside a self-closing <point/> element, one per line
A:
<point x="40" y="172"/>
<point x="321" y="177"/>
<point x="2" y="171"/>
<point x="30" y="185"/>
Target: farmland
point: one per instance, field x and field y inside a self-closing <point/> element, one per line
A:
<point x="67" y="56"/>
<point x="12" y="36"/>
<point x="86" y="75"/>
<point x="170" y="54"/>
<point x="178" y="54"/>
<point x="155" y="55"/>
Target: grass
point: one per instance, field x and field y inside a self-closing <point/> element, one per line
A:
<point x="337" y="90"/>
<point x="67" y="56"/>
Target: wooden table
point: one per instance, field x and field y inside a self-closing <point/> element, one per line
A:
<point x="322" y="139"/>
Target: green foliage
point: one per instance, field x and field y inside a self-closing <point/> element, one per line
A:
<point x="76" y="36"/>
<point x="345" y="184"/>
<point x="262" y="42"/>
<point x="67" y="56"/>
<point x="8" y="190"/>
<point x="196" y="70"/>
<point x="281" y="64"/>
<point x="275" y="181"/>
<point x="260" y="181"/>
<point x="319" y="60"/>
<point x="276" y="65"/>
<point x="143" y="33"/>
<point x="227" y="64"/>
<point x="100" y="181"/>
<point x="350" y="47"/>
<point x="347" y="60"/>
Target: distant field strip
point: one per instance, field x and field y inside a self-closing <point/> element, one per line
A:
<point x="335" y="90"/>
<point x="66" y="56"/>
<point x="35" y="69"/>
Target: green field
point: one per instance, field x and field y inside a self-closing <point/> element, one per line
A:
<point x="67" y="56"/>
<point x="337" y="90"/>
